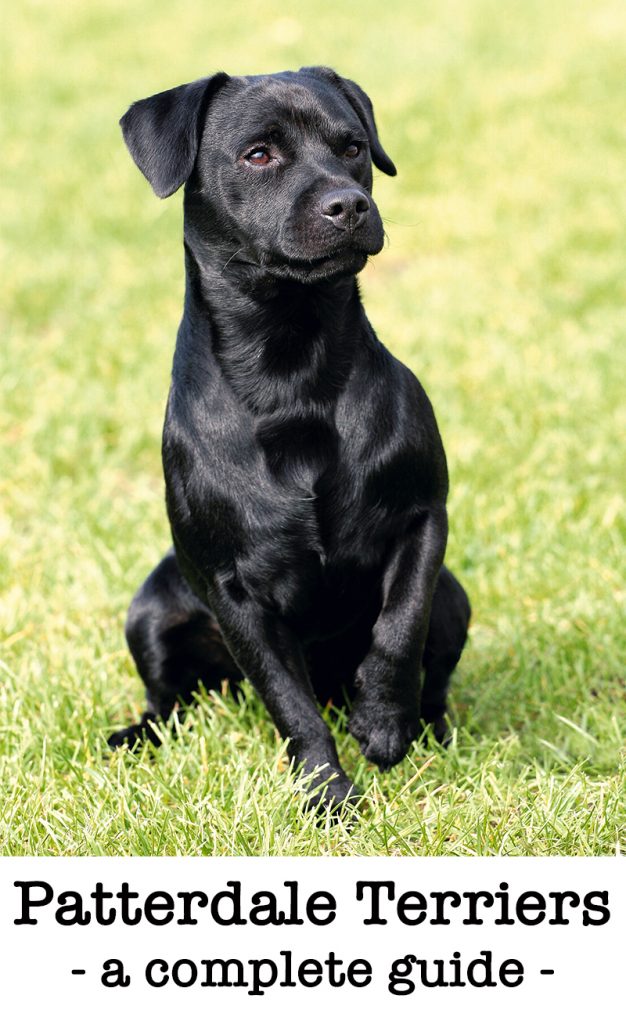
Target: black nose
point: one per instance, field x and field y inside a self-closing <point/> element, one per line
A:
<point x="347" y="208"/>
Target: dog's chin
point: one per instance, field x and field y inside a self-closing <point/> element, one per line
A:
<point x="311" y="270"/>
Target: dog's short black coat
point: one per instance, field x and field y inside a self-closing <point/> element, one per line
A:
<point x="305" y="477"/>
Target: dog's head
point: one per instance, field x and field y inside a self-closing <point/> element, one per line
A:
<point x="278" y="168"/>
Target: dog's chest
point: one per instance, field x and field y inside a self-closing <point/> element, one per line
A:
<point x="312" y="494"/>
<point x="297" y="448"/>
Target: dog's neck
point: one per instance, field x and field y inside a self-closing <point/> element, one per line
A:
<point x="279" y="344"/>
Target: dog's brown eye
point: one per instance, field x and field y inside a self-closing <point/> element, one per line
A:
<point x="353" y="150"/>
<point x="258" y="157"/>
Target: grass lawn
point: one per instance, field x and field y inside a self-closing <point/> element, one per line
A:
<point x="503" y="286"/>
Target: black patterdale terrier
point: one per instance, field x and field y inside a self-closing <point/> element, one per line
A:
<point x="305" y="476"/>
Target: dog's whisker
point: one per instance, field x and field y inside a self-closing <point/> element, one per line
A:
<point x="402" y="223"/>
<point x="229" y="260"/>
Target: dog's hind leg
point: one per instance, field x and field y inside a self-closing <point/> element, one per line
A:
<point x="447" y="633"/>
<point x="175" y="643"/>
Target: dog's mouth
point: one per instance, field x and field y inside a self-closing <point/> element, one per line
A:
<point x="278" y="263"/>
<point x="307" y="252"/>
<point x="313" y="262"/>
<point x="344" y="259"/>
<point x="342" y="263"/>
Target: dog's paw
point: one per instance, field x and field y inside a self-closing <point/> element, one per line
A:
<point x="440" y="730"/>
<point x="326" y="784"/>
<point x="436" y="716"/>
<point x="339" y="796"/>
<point x="135" y="735"/>
<point x="385" y="734"/>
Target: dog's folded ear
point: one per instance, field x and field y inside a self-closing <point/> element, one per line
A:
<point x="362" y="105"/>
<point x="163" y="132"/>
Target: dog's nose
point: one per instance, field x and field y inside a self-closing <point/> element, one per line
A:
<point x="347" y="208"/>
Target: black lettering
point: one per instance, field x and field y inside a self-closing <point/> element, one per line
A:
<point x="360" y="968"/>
<point x="159" y="903"/>
<point x="288" y="981"/>
<point x="455" y="964"/>
<point x="484" y="961"/>
<point x="504" y="899"/>
<point x="99" y="895"/>
<point x="318" y="904"/>
<point x="440" y="899"/>
<point x="513" y="969"/>
<point x="436" y="982"/>
<point x="188" y="898"/>
<point x="113" y="975"/>
<point x="70" y="910"/>
<point x="473" y="899"/>
<point x="400" y="982"/>
<point x="125" y="895"/>
<point x="235" y="900"/>
<point x="596" y="902"/>
<point x="293" y="903"/>
<point x="559" y="899"/>
<point x="312" y="968"/>
<point x="375" y="888"/>
<point x="265" y="910"/>
<point x="336" y="978"/>
<point x="529" y="903"/>
<point x="160" y="965"/>
<point x="410" y="902"/>
<point x="258" y="981"/>
<point x="29" y="901"/>
<point x="224" y="966"/>
<point x="179" y="979"/>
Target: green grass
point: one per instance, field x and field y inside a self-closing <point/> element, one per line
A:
<point x="503" y="287"/>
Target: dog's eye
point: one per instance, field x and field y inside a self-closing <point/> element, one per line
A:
<point x="259" y="157"/>
<point x="353" y="150"/>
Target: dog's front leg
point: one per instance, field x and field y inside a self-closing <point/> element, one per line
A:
<point x="271" y="657"/>
<point x="386" y="714"/>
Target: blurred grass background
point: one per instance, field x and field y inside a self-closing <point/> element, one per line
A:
<point x="503" y="287"/>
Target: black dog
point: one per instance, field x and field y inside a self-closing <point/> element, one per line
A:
<point x="305" y="477"/>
